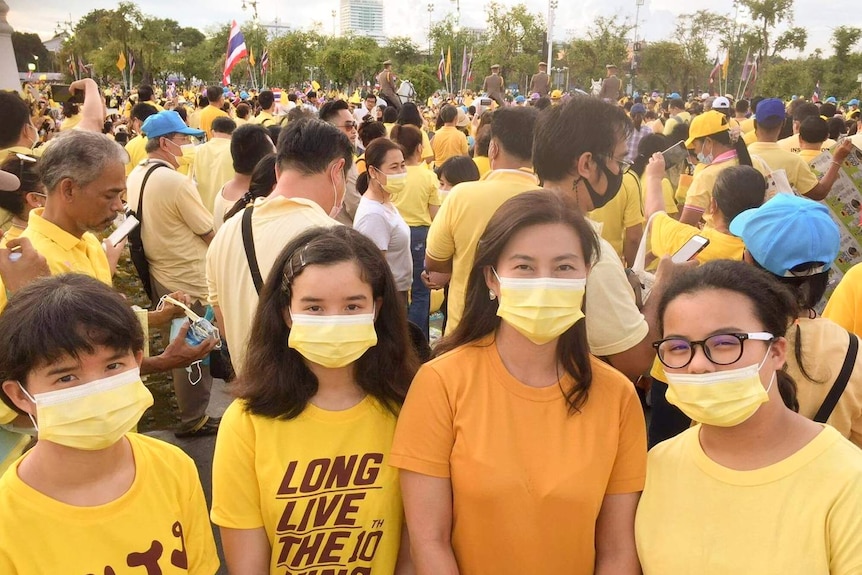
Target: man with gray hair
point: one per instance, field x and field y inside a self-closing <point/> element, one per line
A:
<point x="84" y="176"/>
<point x="176" y="230"/>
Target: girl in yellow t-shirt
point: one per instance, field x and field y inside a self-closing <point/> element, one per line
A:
<point x="301" y="473"/>
<point x="530" y="452"/>
<point x="755" y="487"/>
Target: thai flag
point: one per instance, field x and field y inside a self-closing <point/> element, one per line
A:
<point x="236" y="51"/>
<point x="131" y="62"/>
<point x="264" y="61"/>
<point x="815" y="97"/>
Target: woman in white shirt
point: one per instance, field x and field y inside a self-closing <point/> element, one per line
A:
<point x="377" y="218"/>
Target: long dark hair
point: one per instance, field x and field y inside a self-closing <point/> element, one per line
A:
<point x="649" y="145"/>
<point x="276" y="382"/>
<point x="773" y="304"/>
<point x="480" y="313"/>
<point x="262" y="182"/>
<point x="410" y="114"/>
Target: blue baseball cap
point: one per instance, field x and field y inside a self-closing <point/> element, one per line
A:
<point x="831" y="100"/>
<point x="853" y="102"/>
<point x="674" y="96"/>
<point x="788" y="231"/>
<point x="770" y="113"/>
<point x="638" y="109"/>
<point x="167" y="122"/>
<point x="520" y="99"/>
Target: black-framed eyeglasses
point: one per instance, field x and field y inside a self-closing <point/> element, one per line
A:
<point x="720" y="349"/>
<point x="624" y="165"/>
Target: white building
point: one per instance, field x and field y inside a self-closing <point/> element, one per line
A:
<point x="363" y="18"/>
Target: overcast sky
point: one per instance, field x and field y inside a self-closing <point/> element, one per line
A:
<point x="410" y="17"/>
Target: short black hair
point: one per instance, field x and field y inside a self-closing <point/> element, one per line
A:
<point x="143" y="110"/>
<point x="248" y="144"/>
<point x="309" y="145"/>
<point x="266" y="99"/>
<point x="292" y="97"/>
<point x="330" y="110"/>
<point x="214" y="94"/>
<point x="390" y="114"/>
<point x="676" y="103"/>
<point x="16" y="115"/>
<point x="828" y="109"/>
<point x="459" y="169"/>
<point x="738" y="188"/>
<point x="805" y="110"/>
<point x="145" y="92"/>
<point x="28" y="177"/>
<point x="223" y="125"/>
<point x="513" y="128"/>
<point x="742" y="106"/>
<point x="565" y="132"/>
<point x="813" y="130"/>
<point x="68" y="314"/>
<point x="448" y="113"/>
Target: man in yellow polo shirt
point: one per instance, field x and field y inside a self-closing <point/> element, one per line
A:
<point x="455" y="231"/>
<point x="813" y="131"/>
<point x="768" y="124"/>
<point x="213" y="165"/>
<point x="791" y="143"/>
<point x="215" y="96"/>
<point x="312" y="163"/>
<point x="265" y="118"/>
<point x="449" y="141"/>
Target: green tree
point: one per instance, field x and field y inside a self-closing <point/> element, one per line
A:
<point x="515" y="40"/>
<point x="29" y="49"/>
<point x="402" y="51"/>
<point x="694" y="32"/>
<point x="606" y="42"/>
<point x="663" y="67"/>
<point x="844" y="65"/>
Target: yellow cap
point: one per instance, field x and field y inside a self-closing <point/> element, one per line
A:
<point x="556" y="95"/>
<point x="706" y="124"/>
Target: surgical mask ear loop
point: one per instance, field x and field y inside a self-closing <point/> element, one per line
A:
<point x="200" y="372"/>
<point x="30" y="397"/>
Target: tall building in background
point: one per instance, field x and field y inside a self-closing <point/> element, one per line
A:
<point x="363" y="18"/>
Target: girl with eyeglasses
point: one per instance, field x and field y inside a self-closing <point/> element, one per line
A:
<point x="31" y="194"/>
<point x="754" y="487"/>
<point x="301" y="474"/>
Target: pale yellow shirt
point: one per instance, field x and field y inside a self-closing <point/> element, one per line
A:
<point x="275" y="222"/>
<point x="213" y="168"/>
<point x="174" y="220"/>
<point x="798" y="173"/>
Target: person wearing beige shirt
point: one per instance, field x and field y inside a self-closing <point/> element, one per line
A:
<point x="213" y="165"/>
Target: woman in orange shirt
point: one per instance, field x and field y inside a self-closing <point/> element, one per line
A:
<point x="520" y="452"/>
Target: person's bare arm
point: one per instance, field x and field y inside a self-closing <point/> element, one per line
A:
<point x="691" y="216"/>
<point x="433" y="265"/>
<point x="824" y="186"/>
<point x="631" y="243"/>
<point x="654" y="173"/>
<point x="433" y="211"/>
<point x="616" y="553"/>
<point x="246" y="551"/>
<point x="428" y="507"/>
<point x="113" y="252"/>
<point x="404" y="563"/>
<point x="208" y="237"/>
<point x="178" y="353"/>
<point x="93" y="110"/>
<point x="16" y="271"/>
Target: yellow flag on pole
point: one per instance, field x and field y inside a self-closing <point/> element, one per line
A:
<point x="121" y="62"/>
<point x="449" y="61"/>
<point x="726" y="65"/>
<point x="251" y="56"/>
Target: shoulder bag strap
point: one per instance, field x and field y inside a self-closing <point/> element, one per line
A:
<point x="840" y="383"/>
<point x="140" y="213"/>
<point x="250" y="254"/>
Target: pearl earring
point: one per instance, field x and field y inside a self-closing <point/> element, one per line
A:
<point x="492" y="295"/>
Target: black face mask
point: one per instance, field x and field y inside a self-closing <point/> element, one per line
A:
<point x="615" y="181"/>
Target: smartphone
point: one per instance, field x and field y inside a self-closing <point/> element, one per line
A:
<point x="675" y="155"/>
<point x="60" y="93"/>
<point x="691" y="248"/>
<point x="123" y="230"/>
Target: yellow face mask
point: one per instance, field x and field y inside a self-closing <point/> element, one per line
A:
<point x="332" y="341"/>
<point x="721" y="398"/>
<point x="94" y="415"/>
<point x="541" y="309"/>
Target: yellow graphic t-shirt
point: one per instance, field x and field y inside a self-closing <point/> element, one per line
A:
<point x="158" y="526"/>
<point x="320" y="485"/>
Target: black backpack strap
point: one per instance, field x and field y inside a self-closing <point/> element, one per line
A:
<point x="250" y="254"/>
<point x="140" y="213"/>
<point x="840" y="382"/>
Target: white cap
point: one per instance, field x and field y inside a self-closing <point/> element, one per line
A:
<point x="721" y="103"/>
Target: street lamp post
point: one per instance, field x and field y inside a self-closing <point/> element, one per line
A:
<point x="333" y="23"/>
<point x="552" y="5"/>
<point x="430" y="13"/>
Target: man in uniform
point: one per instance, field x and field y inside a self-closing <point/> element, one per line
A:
<point x="611" y="86"/>
<point x="493" y="85"/>
<point x="540" y="83"/>
<point x="386" y="80"/>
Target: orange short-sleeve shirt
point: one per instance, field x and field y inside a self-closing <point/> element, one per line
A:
<point x="528" y="479"/>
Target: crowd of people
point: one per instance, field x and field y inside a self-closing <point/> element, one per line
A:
<point x="297" y="245"/>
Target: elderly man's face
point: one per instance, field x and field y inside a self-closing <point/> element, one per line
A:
<point x="95" y="205"/>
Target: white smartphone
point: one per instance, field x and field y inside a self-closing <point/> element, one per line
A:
<point x="123" y="230"/>
<point x="691" y="248"/>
